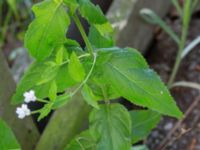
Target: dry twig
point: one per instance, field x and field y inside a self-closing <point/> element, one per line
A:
<point x="166" y="141"/>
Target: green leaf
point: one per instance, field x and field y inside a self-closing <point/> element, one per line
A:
<point x="98" y="40"/>
<point x="99" y="88"/>
<point x="53" y="91"/>
<point x="49" y="72"/>
<point x="59" y="55"/>
<point x="61" y="100"/>
<point x="144" y="88"/>
<point x="64" y="79"/>
<point x="7" y="138"/>
<point x="36" y="78"/>
<point x="72" y="43"/>
<point x="113" y="124"/>
<point x="92" y="13"/>
<point x="76" y="69"/>
<point x="72" y="4"/>
<point x="39" y="76"/>
<point x="97" y="82"/>
<point x="126" y="58"/>
<point x="104" y="29"/>
<point x="96" y="18"/>
<point x="45" y="111"/>
<point x="86" y="140"/>
<point x="128" y="73"/>
<point x="143" y="121"/>
<point x="89" y="97"/>
<point x="48" y="29"/>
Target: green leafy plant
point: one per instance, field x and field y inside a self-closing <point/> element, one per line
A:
<point x="101" y="71"/>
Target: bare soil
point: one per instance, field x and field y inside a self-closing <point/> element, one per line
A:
<point x="161" y="57"/>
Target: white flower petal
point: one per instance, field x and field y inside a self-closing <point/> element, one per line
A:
<point x="21" y="116"/>
<point x="20" y="113"/>
<point x="24" y="106"/>
<point x="29" y="96"/>
<point x="31" y="92"/>
<point x="23" y="111"/>
<point x="27" y="112"/>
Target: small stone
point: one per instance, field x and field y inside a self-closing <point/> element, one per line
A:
<point x="155" y="134"/>
<point x="168" y="126"/>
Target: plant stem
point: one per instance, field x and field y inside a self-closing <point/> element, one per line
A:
<point x="83" y="34"/>
<point x="42" y="100"/>
<point x="35" y="112"/>
<point x="178" y="58"/>
<point x="186" y="21"/>
<point x="107" y="101"/>
<point x="87" y="77"/>
<point x="81" y="56"/>
<point x="177" y="6"/>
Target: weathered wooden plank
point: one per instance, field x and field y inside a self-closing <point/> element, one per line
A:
<point x="64" y="124"/>
<point x="24" y="130"/>
<point x="137" y="33"/>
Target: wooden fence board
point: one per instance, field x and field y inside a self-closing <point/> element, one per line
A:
<point x="24" y="130"/>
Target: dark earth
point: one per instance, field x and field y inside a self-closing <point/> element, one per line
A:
<point x="161" y="57"/>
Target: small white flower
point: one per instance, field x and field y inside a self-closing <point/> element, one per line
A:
<point x="30" y="96"/>
<point x="23" y="111"/>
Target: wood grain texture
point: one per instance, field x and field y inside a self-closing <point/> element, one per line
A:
<point x="137" y="33"/>
<point x="24" y="130"/>
<point x="65" y="123"/>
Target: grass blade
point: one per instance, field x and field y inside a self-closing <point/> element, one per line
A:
<point x="186" y="84"/>
<point x="190" y="47"/>
<point x="152" y="18"/>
